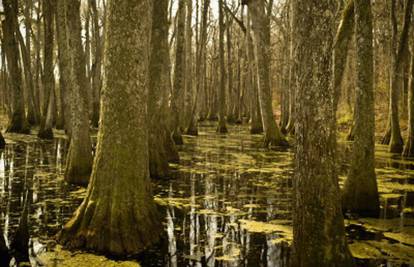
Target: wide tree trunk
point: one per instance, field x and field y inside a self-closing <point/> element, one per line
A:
<point x="118" y="215"/>
<point x="261" y="30"/>
<point x="177" y="96"/>
<point x="18" y="122"/>
<point x="45" y="131"/>
<point x="318" y="224"/>
<point x="79" y="158"/>
<point x="360" y="194"/>
<point x="221" y="127"/>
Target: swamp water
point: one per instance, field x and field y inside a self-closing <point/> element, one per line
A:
<point x="228" y="203"/>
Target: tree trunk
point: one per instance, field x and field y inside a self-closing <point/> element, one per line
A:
<point x="159" y="79"/>
<point x="18" y="122"/>
<point x="360" y="194"/>
<point x="318" y="225"/>
<point x="64" y="63"/>
<point x="118" y="215"/>
<point x="79" y="159"/>
<point x="189" y="91"/>
<point x="396" y="141"/>
<point x="177" y="96"/>
<point x="45" y="131"/>
<point x="261" y="30"/>
<point x="221" y="127"/>
<point x="96" y="64"/>
<point x="409" y="146"/>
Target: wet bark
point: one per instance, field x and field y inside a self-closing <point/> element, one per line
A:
<point x="18" y="122"/>
<point x="261" y="30"/>
<point x="45" y="131"/>
<point x="360" y="193"/>
<point x="221" y="127"/>
<point x="177" y="96"/>
<point x="118" y="215"/>
<point x="79" y="159"/>
<point x="318" y="225"/>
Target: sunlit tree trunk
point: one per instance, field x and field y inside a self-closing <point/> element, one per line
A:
<point x="189" y="90"/>
<point x="221" y="127"/>
<point x="318" y="224"/>
<point x="261" y="30"/>
<point x="79" y="159"/>
<point x="45" y="131"/>
<point x="18" y="122"/>
<point x="360" y="194"/>
<point x="118" y="215"/>
<point x="179" y="75"/>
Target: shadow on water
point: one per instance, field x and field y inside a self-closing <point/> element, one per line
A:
<point x="228" y="203"/>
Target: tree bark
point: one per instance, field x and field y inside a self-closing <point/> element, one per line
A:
<point x="118" y="215"/>
<point x="221" y="127"/>
<point x="409" y="145"/>
<point x="177" y="96"/>
<point x="318" y="225"/>
<point x="360" y="193"/>
<point x="96" y="64"/>
<point x="79" y="159"/>
<point x="158" y="83"/>
<point x="45" y="131"/>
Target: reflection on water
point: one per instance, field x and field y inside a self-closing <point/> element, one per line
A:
<point x="228" y="202"/>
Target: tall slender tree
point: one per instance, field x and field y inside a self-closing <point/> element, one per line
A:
<point x="18" y="121"/>
<point x="118" y="215"/>
<point x="222" y="128"/>
<point x="177" y="96"/>
<point x="261" y="30"/>
<point x="360" y="194"/>
<point x="409" y="145"/>
<point x="79" y="159"/>
<point x="45" y="131"/>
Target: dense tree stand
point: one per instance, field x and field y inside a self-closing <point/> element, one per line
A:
<point x="118" y="215"/>
<point x="360" y="194"/>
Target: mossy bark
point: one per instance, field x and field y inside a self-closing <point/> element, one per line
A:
<point x="221" y="127"/>
<point x="409" y="146"/>
<point x="360" y="193"/>
<point x="318" y="225"/>
<point x="177" y="96"/>
<point x="18" y="122"/>
<point x="261" y="30"/>
<point x="118" y="215"/>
